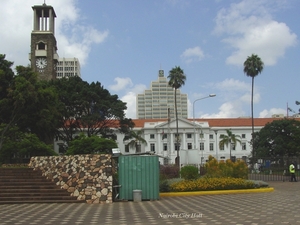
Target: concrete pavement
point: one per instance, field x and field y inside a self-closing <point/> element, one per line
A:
<point x="280" y="206"/>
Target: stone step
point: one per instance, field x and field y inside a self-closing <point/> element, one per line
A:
<point x="34" y="193"/>
<point x="41" y="201"/>
<point x="20" y="198"/>
<point x="12" y="179"/>
<point x="24" y="185"/>
<point x="30" y="190"/>
<point x="29" y="186"/>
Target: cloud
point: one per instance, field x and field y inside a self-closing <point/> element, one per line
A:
<point x="236" y="98"/>
<point x="232" y="85"/>
<point x="121" y="83"/>
<point x="250" y="29"/>
<point x="192" y="55"/>
<point x="74" y="37"/>
<point x="130" y="99"/>
<point x="269" y="113"/>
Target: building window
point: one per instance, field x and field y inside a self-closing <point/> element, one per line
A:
<point x="189" y="136"/>
<point x="176" y="147"/>
<point x="211" y="146"/>
<point x="138" y="148"/>
<point x="243" y="135"/>
<point x="201" y="146"/>
<point x="41" y="46"/>
<point x="201" y="135"/>
<point x="152" y="147"/>
<point x="126" y="148"/>
<point x="164" y="136"/>
<point x="152" y="136"/>
<point x="232" y="146"/>
<point x="244" y="146"/>
<point x="165" y="147"/>
<point x="221" y="147"/>
<point x="211" y="136"/>
<point x="189" y="145"/>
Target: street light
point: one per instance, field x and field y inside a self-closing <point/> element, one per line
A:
<point x="216" y="132"/>
<point x="209" y="96"/>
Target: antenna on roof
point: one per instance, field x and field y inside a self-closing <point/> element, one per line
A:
<point x="44" y="2"/>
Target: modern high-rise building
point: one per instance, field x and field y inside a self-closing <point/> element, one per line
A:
<point x="67" y="67"/>
<point x="159" y="101"/>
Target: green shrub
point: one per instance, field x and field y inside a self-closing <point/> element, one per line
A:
<point x="189" y="172"/>
<point x="164" y="185"/>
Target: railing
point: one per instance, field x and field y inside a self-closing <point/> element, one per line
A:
<point x="273" y="169"/>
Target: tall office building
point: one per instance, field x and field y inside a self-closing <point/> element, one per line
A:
<point x="159" y="101"/>
<point x="67" y="67"/>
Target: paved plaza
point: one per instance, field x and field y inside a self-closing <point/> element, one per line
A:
<point x="278" y="207"/>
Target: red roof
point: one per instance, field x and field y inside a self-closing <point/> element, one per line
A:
<point x="220" y="122"/>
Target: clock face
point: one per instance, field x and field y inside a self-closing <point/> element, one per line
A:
<point x="41" y="63"/>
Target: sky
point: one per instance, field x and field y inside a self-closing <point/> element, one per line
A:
<point x="123" y="45"/>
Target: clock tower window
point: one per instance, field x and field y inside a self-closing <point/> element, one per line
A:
<point x="41" y="46"/>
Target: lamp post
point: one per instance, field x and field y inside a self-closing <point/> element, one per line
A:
<point x="231" y="148"/>
<point x="209" y="96"/>
<point x="216" y="132"/>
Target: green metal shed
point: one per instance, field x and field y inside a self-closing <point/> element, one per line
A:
<point x="139" y="172"/>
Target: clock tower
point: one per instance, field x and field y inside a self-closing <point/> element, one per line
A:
<point x="43" y="54"/>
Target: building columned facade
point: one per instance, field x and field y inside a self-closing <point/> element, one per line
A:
<point x="198" y="139"/>
<point x="158" y="101"/>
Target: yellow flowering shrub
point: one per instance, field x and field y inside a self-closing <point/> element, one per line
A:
<point x="208" y="184"/>
<point x="228" y="168"/>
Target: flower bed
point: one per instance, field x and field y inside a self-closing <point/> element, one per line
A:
<point x="209" y="184"/>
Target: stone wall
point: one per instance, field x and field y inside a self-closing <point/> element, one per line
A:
<point x="88" y="177"/>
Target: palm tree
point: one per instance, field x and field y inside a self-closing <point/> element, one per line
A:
<point x="230" y="138"/>
<point x="176" y="80"/>
<point x="135" y="138"/>
<point x="252" y="67"/>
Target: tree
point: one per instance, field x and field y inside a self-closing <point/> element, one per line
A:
<point x="252" y="67"/>
<point x="278" y="139"/>
<point x="89" y="108"/>
<point x="39" y="113"/>
<point x="91" y="145"/>
<point x="6" y="107"/>
<point x="229" y="139"/>
<point x="19" y="146"/>
<point x="135" y="138"/>
<point x="176" y="80"/>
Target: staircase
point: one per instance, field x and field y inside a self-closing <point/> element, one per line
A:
<point x="24" y="185"/>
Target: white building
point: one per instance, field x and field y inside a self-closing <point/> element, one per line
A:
<point x="67" y="67"/>
<point x="158" y="101"/>
<point x="197" y="140"/>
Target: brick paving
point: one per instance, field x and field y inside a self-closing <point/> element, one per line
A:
<point x="278" y="207"/>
